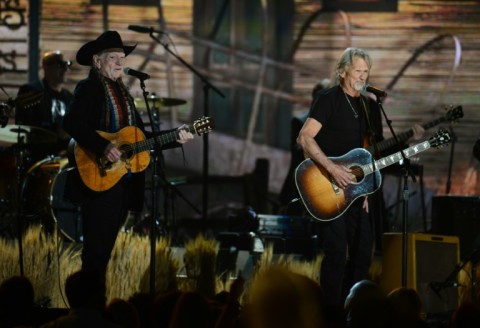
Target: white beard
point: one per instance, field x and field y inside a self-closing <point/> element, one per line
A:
<point x="359" y="86"/>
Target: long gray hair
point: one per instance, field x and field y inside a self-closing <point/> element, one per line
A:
<point x="347" y="60"/>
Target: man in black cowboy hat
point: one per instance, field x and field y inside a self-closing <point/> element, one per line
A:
<point x="44" y="103"/>
<point x="102" y="103"/>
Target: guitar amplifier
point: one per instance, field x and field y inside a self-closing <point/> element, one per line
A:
<point x="288" y="234"/>
<point x="285" y="226"/>
<point x="431" y="259"/>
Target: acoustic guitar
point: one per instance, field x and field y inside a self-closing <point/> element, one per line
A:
<point x="326" y="201"/>
<point x="99" y="174"/>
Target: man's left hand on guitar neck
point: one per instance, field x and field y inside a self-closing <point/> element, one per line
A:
<point x="184" y="135"/>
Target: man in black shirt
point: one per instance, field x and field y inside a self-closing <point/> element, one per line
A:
<point x="341" y="119"/>
<point x="43" y="104"/>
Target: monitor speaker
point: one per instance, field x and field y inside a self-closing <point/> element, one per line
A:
<point x="430" y="260"/>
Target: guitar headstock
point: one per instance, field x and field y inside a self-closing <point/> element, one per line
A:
<point x="454" y="113"/>
<point x="29" y="99"/>
<point x="439" y="139"/>
<point x="203" y="125"/>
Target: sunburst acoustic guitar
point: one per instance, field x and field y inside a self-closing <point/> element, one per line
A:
<point x="99" y="174"/>
<point x="326" y="201"/>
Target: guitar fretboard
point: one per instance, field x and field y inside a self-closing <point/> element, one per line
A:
<point x="163" y="139"/>
<point x="396" y="157"/>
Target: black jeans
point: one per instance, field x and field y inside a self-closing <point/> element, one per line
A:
<point x="102" y="217"/>
<point x="347" y="243"/>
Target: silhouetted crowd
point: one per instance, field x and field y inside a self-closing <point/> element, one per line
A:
<point x="275" y="297"/>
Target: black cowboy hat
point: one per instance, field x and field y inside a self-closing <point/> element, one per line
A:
<point x="107" y="40"/>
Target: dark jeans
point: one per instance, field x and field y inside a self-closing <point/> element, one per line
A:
<point x="102" y="216"/>
<point x="347" y="243"/>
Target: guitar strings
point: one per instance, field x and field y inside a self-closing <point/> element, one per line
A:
<point x="148" y="143"/>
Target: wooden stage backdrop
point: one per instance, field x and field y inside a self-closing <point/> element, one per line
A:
<point x="426" y="54"/>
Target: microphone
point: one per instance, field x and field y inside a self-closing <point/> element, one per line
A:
<point x="376" y="91"/>
<point x="144" y="29"/>
<point x="139" y="75"/>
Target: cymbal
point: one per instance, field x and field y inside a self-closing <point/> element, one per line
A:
<point x="26" y="134"/>
<point x="170" y="102"/>
<point x="166" y="102"/>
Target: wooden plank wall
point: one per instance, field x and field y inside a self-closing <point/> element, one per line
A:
<point x="420" y="94"/>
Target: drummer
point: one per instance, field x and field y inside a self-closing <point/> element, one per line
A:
<point x="44" y="103"/>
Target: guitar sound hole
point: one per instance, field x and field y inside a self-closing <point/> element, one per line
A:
<point x="126" y="151"/>
<point x="358" y="172"/>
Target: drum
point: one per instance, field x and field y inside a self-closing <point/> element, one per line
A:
<point x="7" y="176"/>
<point x="42" y="194"/>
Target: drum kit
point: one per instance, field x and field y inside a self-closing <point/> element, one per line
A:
<point x="33" y="191"/>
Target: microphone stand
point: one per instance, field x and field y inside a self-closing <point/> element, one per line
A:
<point x="154" y="178"/>
<point x="169" y="186"/>
<point x="160" y="161"/>
<point x="450" y="164"/>
<point x="407" y="172"/>
<point x="206" y="88"/>
<point x="20" y="175"/>
<point x="154" y="183"/>
<point x="452" y="279"/>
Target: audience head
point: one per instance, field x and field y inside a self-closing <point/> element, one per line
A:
<point x="122" y="313"/>
<point x="367" y="306"/>
<point x="281" y="298"/>
<point x="143" y="304"/>
<point x="162" y="308"/>
<point x="192" y="310"/>
<point x="362" y="291"/>
<point x="467" y="315"/>
<point x="86" y="289"/>
<point x="16" y="301"/>
<point x="407" y="302"/>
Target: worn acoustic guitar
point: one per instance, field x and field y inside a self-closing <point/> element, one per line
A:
<point x="326" y="201"/>
<point x="99" y="174"/>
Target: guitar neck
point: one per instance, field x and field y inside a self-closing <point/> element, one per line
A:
<point x="403" y="136"/>
<point x="162" y="140"/>
<point x="395" y="158"/>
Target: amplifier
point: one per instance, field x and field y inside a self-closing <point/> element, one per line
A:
<point x="285" y="226"/>
<point x="431" y="259"/>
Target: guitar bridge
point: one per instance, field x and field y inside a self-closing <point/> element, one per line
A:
<point x="335" y="188"/>
<point x="102" y="166"/>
